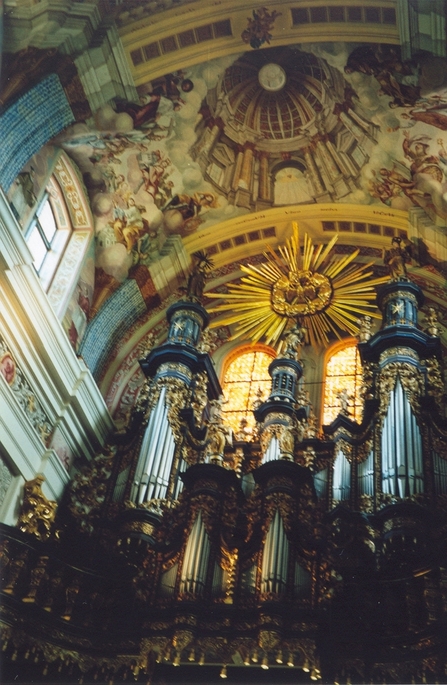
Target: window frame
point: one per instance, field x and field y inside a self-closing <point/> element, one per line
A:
<point x="56" y="246"/>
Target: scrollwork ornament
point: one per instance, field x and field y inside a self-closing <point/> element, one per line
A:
<point x="268" y="639"/>
<point x="176" y="398"/>
<point x="88" y="490"/>
<point x="363" y="450"/>
<point x="435" y="383"/>
<point x="143" y="397"/>
<point x="229" y="564"/>
<point x="431" y="323"/>
<point x="199" y="396"/>
<point x="396" y="352"/>
<point x="346" y="448"/>
<point x="37" y="513"/>
<point x="366" y="389"/>
<point x="366" y="503"/>
<point x="286" y="507"/>
<point x="208" y="341"/>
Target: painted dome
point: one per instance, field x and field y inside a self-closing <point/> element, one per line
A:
<point x="277" y="92"/>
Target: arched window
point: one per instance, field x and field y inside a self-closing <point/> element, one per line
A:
<point x="343" y="381"/>
<point x="47" y="236"/>
<point x="245" y="380"/>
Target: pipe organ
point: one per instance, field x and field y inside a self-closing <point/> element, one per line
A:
<point x="298" y="542"/>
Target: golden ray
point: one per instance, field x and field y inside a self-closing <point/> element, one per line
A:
<point x="323" y="292"/>
<point x="325" y="252"/>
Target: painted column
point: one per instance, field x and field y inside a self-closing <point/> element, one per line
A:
<point x="247" y="166"/>
<point x="264" y="180"/>
<point x="328" y="160"/>
<point x="313" y="171"/>
<point x="341" y="163"/>
<point x="237" y="169"/>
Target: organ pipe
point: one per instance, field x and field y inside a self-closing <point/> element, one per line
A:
<point x="402" y="470"/>
<point x="272" y="452"/>
<point x="156" y="455"/>
<point x="195" y="561"/>
<point x="275" y="558"/>
<point x="366" y="475"/>
<point x="148" y="445"/>
<point x="178" y="485"/>
<point x="320" y="483"/>
<point x="440" y="474"/>
<point x="301" y="581"/>
<point x="167" y="583"/>
<point x="342" y="478"/>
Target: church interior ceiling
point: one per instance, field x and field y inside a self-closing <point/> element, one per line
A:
<point x="223" y="154"/>
<point x="226" y="153"/>
<point x="257" y="168"/>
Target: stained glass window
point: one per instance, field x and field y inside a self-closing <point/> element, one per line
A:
<point x="342" y="385"/>
<point x="246" y="380"/>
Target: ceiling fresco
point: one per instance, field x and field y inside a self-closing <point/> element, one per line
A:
<point x="265" y="133"/>
<point x="342" y="123"/>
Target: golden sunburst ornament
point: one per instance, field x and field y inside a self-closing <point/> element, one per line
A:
<point x="311" y="286"/>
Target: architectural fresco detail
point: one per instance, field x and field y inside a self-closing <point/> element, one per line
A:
<point x="27" y="189"/>
<point x="78" y="310"/>
<point x="24" y="393"/>
<point x="5" y="480"/>
<point x="276" y="127"/>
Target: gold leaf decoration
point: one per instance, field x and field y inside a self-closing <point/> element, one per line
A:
<point x="309" y="285"/>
